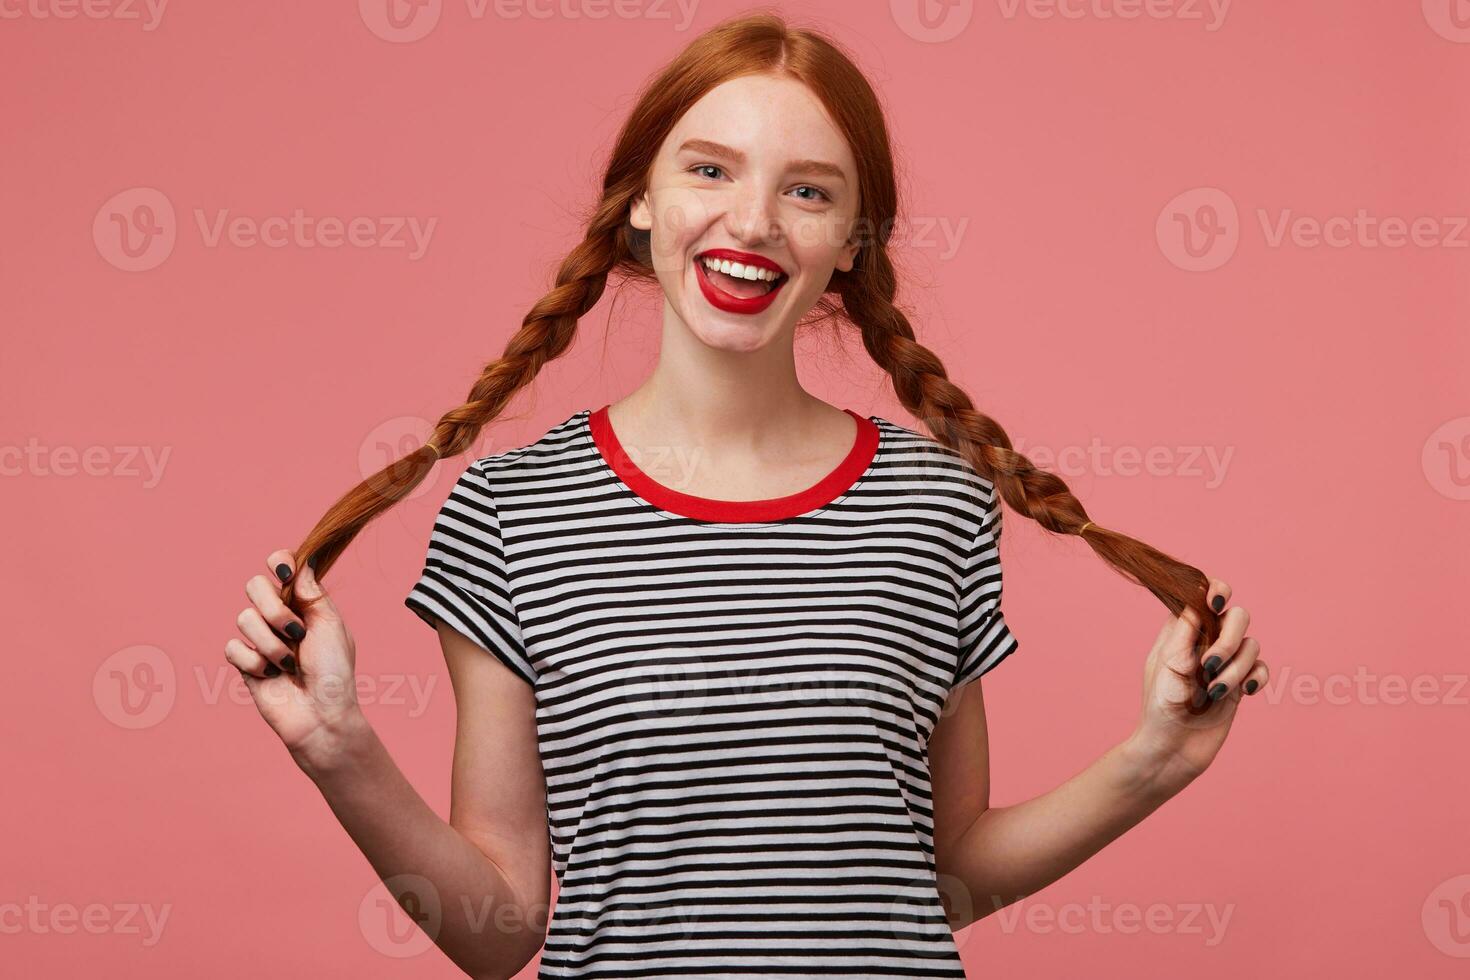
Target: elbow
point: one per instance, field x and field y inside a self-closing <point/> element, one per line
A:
<point x="505" y="969"/>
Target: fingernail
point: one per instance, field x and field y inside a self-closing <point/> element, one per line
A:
<point x="283" y="572"/>
<point x="1251" y="685"/>
<point x="294" y="630"/>
<point x="271" y="670"/>
<point x="289" y="662"/>
<point x="1212" y="666"/>
<point x="1217" y="692"/>
<point x="1219" y="603"/>
<point x="312" y="561"/>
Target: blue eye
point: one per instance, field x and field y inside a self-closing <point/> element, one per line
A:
<point x="718" y="171"/>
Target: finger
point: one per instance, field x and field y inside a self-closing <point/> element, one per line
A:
<point x="1232" y="628"/>
<point x="265" y="641"/>
<point x="267" y="598"/>
<point x="321" y="608"/>
<point x="282" y="564"/>
<point x="1166" y="631"/>
<point x="1257" y="678"/>
<point x="1218" y="594"/>
<point x="1183" y="628"/>
<point x="1233" y="675"/>
<point x="248" y="659"/>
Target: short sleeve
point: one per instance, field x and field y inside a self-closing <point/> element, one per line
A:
<point x="984" y="638"/>
<point x="465" y="581"/>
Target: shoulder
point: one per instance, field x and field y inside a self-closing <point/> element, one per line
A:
<point x="909" y="454"/>
<point x="560" y="459"/>
<point x="563" y="444"/>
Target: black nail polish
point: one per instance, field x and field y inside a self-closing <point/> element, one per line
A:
<point x="1217" y="692"/>
<point x="1212" y="666"/>
<point x="271" y="670"/>
<point x="1219" y="603"/>
<point x="1250" y="686"/>
<point x="294" y="630"/>
<point x="312" y="561"/>
<point x="289" y="663"/>
<point x="283" y="572"/>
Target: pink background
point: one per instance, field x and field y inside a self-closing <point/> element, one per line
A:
<point x="1328" y="382"/>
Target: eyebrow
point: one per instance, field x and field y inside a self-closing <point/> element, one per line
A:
<point x="819" y="168"/>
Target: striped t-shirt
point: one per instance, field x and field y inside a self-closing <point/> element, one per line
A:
<point x="733" y="698"/>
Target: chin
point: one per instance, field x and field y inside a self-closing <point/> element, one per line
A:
<point x="735" y="338"/>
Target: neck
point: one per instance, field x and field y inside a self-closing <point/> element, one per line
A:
<point x="700" y="395"/>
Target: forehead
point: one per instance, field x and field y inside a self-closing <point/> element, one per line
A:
<point x="765" y="117"/>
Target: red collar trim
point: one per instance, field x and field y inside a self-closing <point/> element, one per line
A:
<point x="829" y="488"/>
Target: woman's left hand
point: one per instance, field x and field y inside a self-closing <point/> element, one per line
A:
<point x="1175" y="743"/>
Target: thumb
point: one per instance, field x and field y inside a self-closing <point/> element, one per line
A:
<point x="321" y="609"/>
<point x="1183" y="631"/>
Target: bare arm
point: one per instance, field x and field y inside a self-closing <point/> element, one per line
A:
<point x="989" y="857"/>
<point x="400" y="835"/>
<point x="485" y="871"/>
<point x="489" y="865"/>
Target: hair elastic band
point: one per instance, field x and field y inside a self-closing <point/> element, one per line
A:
<point x="1085" y="527"/>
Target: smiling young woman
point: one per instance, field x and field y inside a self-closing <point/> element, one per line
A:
<point x="731" y="711"/>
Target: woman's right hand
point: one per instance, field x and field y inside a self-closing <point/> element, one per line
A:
<point x="299" y="669"/>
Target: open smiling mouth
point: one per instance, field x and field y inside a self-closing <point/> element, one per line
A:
<point x="734" y="286"/>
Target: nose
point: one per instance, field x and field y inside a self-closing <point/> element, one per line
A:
<point x="753" y="217"/>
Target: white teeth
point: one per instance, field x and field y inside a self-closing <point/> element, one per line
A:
<point x="739" y="271"/>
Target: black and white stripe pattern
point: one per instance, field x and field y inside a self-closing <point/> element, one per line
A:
<point x="733" y="717"/>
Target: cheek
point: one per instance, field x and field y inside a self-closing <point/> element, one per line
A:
<point x="679" y="219"/>
<point x="817" y="243"/>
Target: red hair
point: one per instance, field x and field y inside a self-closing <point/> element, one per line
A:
<point x="863" y="298"/>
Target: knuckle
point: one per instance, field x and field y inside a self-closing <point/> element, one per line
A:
<point x="245" y="617"/>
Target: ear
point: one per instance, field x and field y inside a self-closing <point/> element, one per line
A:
<point x="846" y="256"/>
<point x="639" y="215"/>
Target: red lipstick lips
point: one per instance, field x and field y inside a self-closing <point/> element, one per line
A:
<point x="729" y="302"/>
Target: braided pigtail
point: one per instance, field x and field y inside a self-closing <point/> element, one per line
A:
<point x="924" y="389"/>
<point x="762" y="42"/>
<point x="545" y="334"/>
